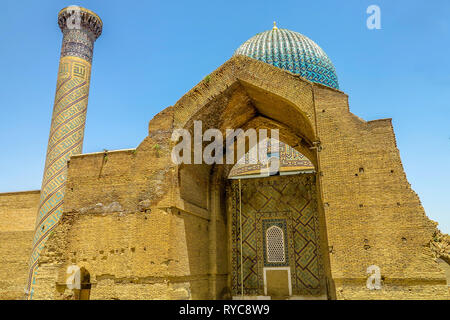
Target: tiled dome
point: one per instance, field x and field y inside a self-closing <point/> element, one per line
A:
<point x="293" y="52"/>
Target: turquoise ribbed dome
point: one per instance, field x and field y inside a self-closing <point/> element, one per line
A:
<point x="293" y="52"/>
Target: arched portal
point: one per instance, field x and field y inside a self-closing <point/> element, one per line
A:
<point x="206" y="191"/>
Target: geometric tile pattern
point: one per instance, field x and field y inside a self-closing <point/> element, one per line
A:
<point x="290" y="160"/>
<point x="80" y="28"/>
<point x="281" y="249"/>
<point x="66" y="139"/>
<point x="289" y="202"/>
<point x="293" y="52"/>
<point x="77" y="43"/>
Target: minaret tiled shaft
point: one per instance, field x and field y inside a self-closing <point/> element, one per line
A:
<point x="80" y="27"/>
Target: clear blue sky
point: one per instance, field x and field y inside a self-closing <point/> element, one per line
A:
<point x="152" y="52"/>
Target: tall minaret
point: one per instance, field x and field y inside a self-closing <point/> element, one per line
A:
<point x="80" y="27"/>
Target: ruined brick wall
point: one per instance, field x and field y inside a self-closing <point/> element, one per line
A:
<point x="440" y="245"/>
<point x="373" y="216"/>
<point x="17" y="220"/>
<point x="120" y="224"/>
<point x="128" y="255"/>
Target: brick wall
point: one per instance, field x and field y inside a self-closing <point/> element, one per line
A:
<point x="146" y="229"/>
<point x="17" y="218"/>
<point x="373" y="216"/>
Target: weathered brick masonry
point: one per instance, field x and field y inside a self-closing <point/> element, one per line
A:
<point x="145" y="228"/>
<point x="17" y="222"/>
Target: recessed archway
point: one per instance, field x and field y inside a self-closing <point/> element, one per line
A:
<point x="207" y="189"/>
<point x="262" y="197"/>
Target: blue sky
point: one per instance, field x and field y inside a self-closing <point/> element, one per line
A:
<point x="152" y="52"/>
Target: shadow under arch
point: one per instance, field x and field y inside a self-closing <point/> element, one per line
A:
<point x="244" y="106"/>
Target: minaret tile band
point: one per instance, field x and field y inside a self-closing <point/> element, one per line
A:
<point x="80" y="27"/>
